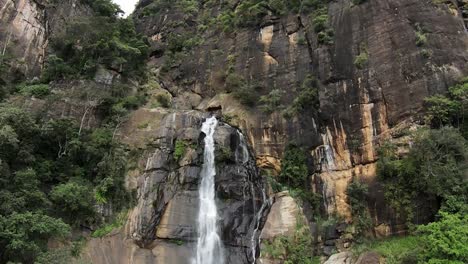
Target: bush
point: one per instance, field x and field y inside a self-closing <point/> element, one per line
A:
<point x="434" y="169"/>
<point x="446" y="241"/>
<point x="357" y="198"/>
<point x="106" y="229"/>
<point x="164" y="100"/>
<point x="297" y="248"/>
<point x="294" y="169"/>
<point x="450" y="109"/>
<point x="421" y="39"/>
<point x="74" y="202"/>
<point x="394" y="250"/>
<point x="179" y="149"/>
<point x="36" y="90"/>
<point x="247" y="94"/>
<point x="87" y="42"/>
<point x="361" y="60"/>
<point x="307" y="99"/>
<point x="272" y="101"/>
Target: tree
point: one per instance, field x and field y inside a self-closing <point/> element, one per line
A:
<point x="294" y="169"/>
<point x="25" y="235"/>
<point x="446" y="241"/>
<point x="74" y="202"/>
<point x="434" y="169"/>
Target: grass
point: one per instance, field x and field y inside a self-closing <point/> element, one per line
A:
<point x="394" y="249"/>
<point x="118" y="222"/>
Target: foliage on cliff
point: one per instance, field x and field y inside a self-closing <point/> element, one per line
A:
<point x="89" y="42"/>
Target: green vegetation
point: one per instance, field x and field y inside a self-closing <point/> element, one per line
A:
<point x="396" y="250"/>
<point x="294" y="171"/>
<point x="89" y="42"/>
<point x="164" y="100"/>
<point x="223" y="154"/>
<point x="433" y="170"/>
<point x="180" y="149"/>
<point x="297" y="248"/>
<point x="357" y="198"/>
<point x="294" y="176"/>
<point x="361" y="60"/>
<point x="271" y="102"/>
<point x="450" y="109"/>
<point x="36" y="90"/>
<point x="421" y="37"/>
<point x="306" y="100"/>
<point x="25" y="235"/>
<point x="248" y="93"/>
<point x="118" y="222"/>
<point x="446" y="241"/>
<point x="48" y="174"/>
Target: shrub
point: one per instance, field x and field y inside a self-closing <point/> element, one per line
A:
<point x="234" y="82"/>
<point x="421" y="39"/>
<point x="106" y="229"/>
<point x="320" y="22"/>
<point x="272" y="101"/>
<point x="357" y="197"/>
<point x="446" y="241"/>
<point x="449" y="109"/>
<point x="361" y="60"/>
<point x="87" y="42"/>
<point x="294" y="169"/>
<point x="164" y="100"/>
<point x="74" y="202"/>
<point x="179" y="149"/>
<point x="36" y="90"/>
<point x="247" y="94"/>
<point x="307" y="99"/>
<point x="433" y="169"/>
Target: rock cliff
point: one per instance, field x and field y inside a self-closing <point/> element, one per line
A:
<point x="359" y="104"/>
<point x="383" y="58"/>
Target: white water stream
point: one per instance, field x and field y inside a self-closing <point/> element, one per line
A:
<point x="209" y="244"/>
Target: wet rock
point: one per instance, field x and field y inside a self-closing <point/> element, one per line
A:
<point x="329" y="250"/>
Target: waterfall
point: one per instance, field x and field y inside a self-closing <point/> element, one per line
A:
<point x="258" y="218"/>
<point x="243" y="147"/>
<point x="243" y="157"/>
<point x="209" y="245"/>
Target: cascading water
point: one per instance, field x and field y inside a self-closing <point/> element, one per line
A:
<point x="254" y="242"/>
<point x="243" y="157"/>
<point x="209" y="244"/>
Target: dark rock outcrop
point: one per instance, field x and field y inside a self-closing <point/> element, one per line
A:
<point x="167" y="199"/>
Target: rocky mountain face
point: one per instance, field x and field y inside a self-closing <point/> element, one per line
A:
<point x="372" y="74"/>
<point x="360" y="105"/>
<point x="26" y="28"/>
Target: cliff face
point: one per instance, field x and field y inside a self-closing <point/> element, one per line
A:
<point x="383" y="59"/>
<point x="359" y="104"/>
<point x="26" y="27"/>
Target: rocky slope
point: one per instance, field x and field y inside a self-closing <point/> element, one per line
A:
<point x="359" y="104"/>
<point x="26" y="28"/>
<point x="412" y="49"/>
